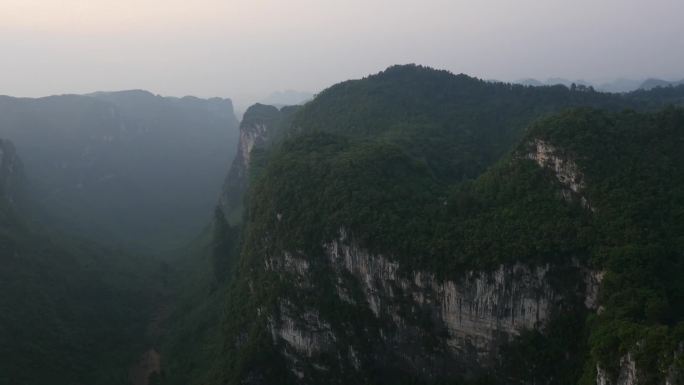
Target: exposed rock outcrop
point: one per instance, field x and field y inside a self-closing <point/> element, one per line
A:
<point x="626" y="376"/>
<point x="304" y="332"/>
<point x="592" y="281"/>
<point x="255" y="130"/>
<point x="629" y="374"/>
<point x="465" y="318"/>
<point x="565" y="169"/>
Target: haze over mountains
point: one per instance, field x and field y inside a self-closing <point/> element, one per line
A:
<point x="71" y="312"/>
<point x="413" y="226"/>
<point x="125" y="167"/>
<point x="360" y="192"/>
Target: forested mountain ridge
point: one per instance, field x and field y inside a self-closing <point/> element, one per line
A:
<point x="652" y="83"/>
<point x="125" y="167"/>
<point x="408" y="228"/>
<point x="457" y="123"/>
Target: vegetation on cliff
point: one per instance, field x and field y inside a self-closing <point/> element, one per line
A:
<point x="434" y="170"/>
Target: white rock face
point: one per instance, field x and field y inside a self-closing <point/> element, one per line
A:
<point x="254" y="131"/>
<point x="470" y="316"/>
<point x="628" y="371"/>
<point x="601" y="376"/>
<point x="302" y="335"/>
<point x="288" y="263"/>
<point x="627" y="375"/>
<point x="308" y="338"/>
<point x="476" y="310"/>
<point x="592" y="280"/>
<point x="566" y="170"/>
<point x="248" y="138"/>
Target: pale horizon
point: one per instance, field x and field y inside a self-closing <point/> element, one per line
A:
<point x="246" y="50"/>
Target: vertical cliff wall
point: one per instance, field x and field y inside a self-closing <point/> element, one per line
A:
<point x="408" y="322"/>
<point x="259" y="125"/>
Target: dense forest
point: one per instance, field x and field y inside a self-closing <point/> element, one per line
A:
<point x="436" y="172"/>
<point x="411" y="227"/>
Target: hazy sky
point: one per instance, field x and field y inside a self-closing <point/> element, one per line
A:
<point x="247" y="48"/>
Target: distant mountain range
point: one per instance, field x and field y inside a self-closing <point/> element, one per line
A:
<point x="619" y="85"/>
<point x="650" y="84"/>
<point x="124" y="167"/>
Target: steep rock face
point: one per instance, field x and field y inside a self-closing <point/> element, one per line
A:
<point x="11" y="174"/>
<point x="565" y="169"/>
<point x="629" y="374"/>
<point x="415" y="322"/>
<point x="256" y="128"/>
<point x="306" y="334"/>
<point x="473" y="309"/>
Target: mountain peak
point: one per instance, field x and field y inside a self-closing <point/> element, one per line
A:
<point x="139" y="93"/>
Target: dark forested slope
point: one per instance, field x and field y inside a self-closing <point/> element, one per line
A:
<point x="458" y="124"/>
<point x="70" y="312"/>
<point x="406" y="227"/>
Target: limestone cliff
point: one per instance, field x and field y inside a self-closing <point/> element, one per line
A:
<point x="414" y="322"/>
<point x="351" y="314"/>
<point x="629" y="373"/>
<point x="563" y="167"/>
<point x="256" y="129"/>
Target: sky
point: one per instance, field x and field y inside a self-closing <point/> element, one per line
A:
<point x="246" y="49"/>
